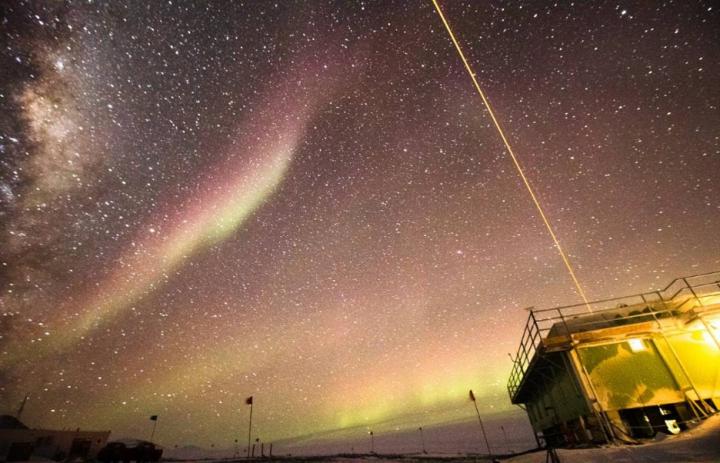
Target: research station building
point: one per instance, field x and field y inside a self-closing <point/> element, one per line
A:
<point x="621" y="369"/>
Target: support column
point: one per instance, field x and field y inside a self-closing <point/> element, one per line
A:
<point x="590" y="394"/>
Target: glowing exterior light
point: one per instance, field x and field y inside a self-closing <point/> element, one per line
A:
<point x="708" y="339"/>
<point x="636" y="345"/>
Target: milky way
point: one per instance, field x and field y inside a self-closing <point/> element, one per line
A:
<point x="307" y="203"/>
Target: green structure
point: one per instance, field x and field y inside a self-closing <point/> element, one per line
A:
<point x="622" y="368"/>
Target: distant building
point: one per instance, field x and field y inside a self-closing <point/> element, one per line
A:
<point x="632" y="367"/>
<point x="19" y="443"/>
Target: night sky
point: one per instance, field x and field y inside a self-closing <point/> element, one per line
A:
<point x="307" y="202"/>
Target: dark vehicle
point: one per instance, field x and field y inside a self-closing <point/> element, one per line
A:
<point x="130" y="450"/>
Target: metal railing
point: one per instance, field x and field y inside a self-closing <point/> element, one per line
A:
<point x="559" y="323"/>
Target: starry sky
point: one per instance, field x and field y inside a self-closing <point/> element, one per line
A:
<point x="307" y="202"/>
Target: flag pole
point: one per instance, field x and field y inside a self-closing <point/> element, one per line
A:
<point x="250" y="401"/>
<point x="482" y="427"/>
<point x="152" y="435"/>
<point x="507" y="445"/>
<point x="22" y="407"/>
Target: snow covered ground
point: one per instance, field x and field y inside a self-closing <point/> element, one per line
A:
<point x="701" y="443"/>
<point x="507" y="432"/>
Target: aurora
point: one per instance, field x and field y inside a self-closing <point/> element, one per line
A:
<point x="257" y="160"/>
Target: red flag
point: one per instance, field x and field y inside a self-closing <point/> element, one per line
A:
<point x="248" y="401"/>
<point x="472" y="396"/>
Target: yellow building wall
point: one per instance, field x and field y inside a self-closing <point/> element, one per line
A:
<point x="653" y="370"/>
<point x="697" y="363"/>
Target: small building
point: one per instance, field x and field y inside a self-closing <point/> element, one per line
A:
<point x="20" y="443"/>
<point x="621" y="369"/>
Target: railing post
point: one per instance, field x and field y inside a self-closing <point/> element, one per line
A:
<point x="567" y="329"/>
<point x="692" y="290"/>
<point x="662" y="300"/>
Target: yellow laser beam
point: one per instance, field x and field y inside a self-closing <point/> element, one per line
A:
<point x="514" y="158"/>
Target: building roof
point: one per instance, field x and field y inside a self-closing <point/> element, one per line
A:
<point x="10" y="422"/>
<point x="683" y="300"/>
